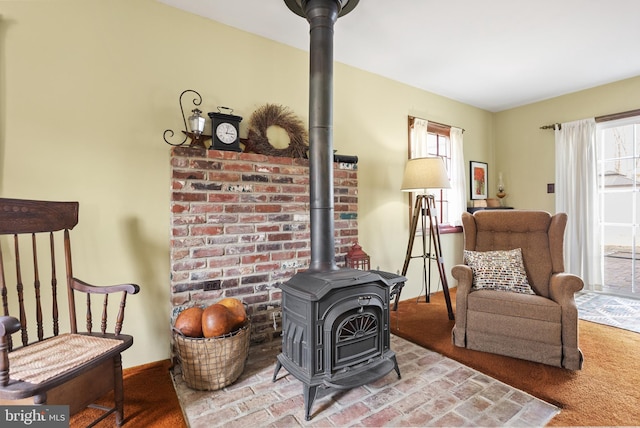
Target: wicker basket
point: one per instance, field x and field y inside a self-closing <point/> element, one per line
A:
<point x="213" y="363"/>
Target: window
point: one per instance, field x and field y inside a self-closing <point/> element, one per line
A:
<point x="434" y="139"/>
<point x="618" y="147"/>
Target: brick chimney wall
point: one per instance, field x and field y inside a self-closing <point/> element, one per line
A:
<point x="240" y="226"/>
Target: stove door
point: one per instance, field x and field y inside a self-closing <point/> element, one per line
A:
<point x="357" y="337"/>
<point x="353" y="330"/>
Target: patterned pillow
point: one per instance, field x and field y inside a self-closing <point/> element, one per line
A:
<point x="498" y="270"/>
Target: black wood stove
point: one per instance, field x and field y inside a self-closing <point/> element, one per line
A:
<point x="335" y="328"/>
<point x="335" y="322"/>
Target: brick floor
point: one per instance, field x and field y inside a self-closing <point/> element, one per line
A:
<point x="621" y="272"/>
<point x="433" y="391"/>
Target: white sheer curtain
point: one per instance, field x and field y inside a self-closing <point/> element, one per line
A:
<point x="419" y="135"/>
<point x="458" y="194"/>
<point x="577" y="195"/>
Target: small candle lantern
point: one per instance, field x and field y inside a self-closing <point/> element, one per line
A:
<point x="356" y="258"/>
<point x="196" y="122"/>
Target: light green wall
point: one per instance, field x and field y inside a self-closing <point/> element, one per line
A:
<point x="373" y="124"/>
<point x="526" y="154"/>
<point x="87" y="88"/>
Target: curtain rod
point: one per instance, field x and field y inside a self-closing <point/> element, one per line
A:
<point x="437" y="123"/>
<point x="617" y="116"/>
<point x="552" y="126"/>
<point x="604" y="118"/>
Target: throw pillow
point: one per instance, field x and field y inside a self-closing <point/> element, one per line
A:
<point x="498" y="270"/>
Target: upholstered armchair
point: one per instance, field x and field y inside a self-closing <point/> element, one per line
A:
<point x="513" y="297"/>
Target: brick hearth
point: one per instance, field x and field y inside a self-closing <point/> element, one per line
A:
<point x="240" y="227"/>
<point x="434" y="391"/>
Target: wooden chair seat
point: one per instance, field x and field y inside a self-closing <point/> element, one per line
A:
<point x="53" y="360"/>
<point x="61" y="365"/>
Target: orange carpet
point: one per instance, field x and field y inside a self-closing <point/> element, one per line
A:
<point x="150" y="400"/>
<point x="606" y="392"/>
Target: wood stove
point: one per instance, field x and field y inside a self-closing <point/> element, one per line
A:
<point x="335" y="322"/>
<point x="335" y="330"/>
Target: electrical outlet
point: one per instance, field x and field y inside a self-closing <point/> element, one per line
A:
<point x="211" y="285"/>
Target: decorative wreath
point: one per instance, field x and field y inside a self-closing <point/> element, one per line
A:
<point x="270" y="115"/>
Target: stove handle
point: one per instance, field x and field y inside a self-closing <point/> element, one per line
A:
<point x="364" y="300"/>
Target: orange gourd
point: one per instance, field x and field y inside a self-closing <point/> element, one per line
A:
<point x="239" y="315"/>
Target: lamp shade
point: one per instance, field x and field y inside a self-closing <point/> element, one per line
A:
<point x="425" y="173"/>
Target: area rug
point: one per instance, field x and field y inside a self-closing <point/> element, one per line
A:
<point x="604" y="393"/>
<point x="610" y="310"/>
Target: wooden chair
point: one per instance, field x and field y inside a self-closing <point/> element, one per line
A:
<point x="60" y="365"/>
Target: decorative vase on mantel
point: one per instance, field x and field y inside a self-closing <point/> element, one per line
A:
<point x="501" y="193"/>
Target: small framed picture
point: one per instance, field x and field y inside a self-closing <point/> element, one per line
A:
<point x="478" y="176"/>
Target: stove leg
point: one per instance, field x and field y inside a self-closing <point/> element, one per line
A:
<point x="275" y="373"/>
<point x="395" y="366"/>
<point x="309" y="397"/>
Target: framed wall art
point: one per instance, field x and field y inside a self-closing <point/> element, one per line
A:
<point x="479" y="173"/>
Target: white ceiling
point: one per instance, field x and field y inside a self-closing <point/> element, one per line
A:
<point x="492" y="54"/>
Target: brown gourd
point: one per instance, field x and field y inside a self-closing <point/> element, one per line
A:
<point x="216" y="320"/>
<point x="189" y="322"/>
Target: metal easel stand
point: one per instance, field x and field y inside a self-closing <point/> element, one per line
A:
<point x="425" y="209"/>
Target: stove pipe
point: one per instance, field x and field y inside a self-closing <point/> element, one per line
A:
<point x="321" y="15"/>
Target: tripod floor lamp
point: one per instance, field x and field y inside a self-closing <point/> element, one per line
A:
<point x="421" y="174"/>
